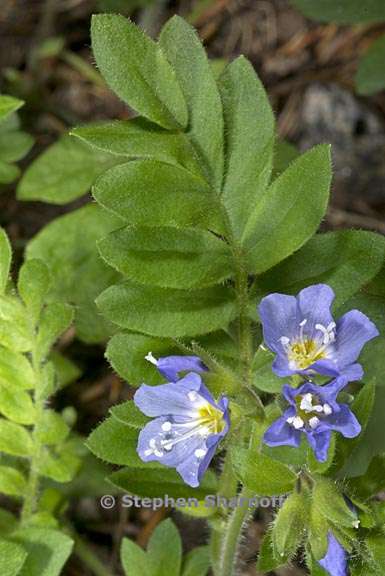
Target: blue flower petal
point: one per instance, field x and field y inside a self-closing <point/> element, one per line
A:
<point x="320" y="442"/>
<point x="335" y="562"/>
<point x="278" y="313"/>
<point x="169" y="398"/>
<point x="345" y="422"/>
<point x="171" y="366"/>
<point x="354" y="329"/>
<point x="314" y="305"/>
<point x="280" y="433"/>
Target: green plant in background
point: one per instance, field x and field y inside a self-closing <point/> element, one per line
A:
<point x="14" y="144"/>
<point x="370" y="77"/>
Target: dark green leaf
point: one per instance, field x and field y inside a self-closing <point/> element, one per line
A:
<point x="290" y="210"/>
<point x="290" y="524"/>
<point x="134" y="559"/>
<point x="115" y="442"/>
<point x="8" y="173"/>
<point x="184" y="51"/>
<point x="342" y="11"/>
<point x="137" y="70"/>
<point x="168" y="257"/>
<point x="127" y="413"/>
<point x="166" y="312"/>
<point x="370" y="77"/>
<point x="14" y="145"/>
<point x="249" y="141"/>
<point x="197" y="562"/>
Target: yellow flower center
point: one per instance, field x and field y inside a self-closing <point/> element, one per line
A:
<point x="212" y="418"/>
<point x="305" y="353"/>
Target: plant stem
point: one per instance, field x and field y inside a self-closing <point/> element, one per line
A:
<point x="87" y="556"/>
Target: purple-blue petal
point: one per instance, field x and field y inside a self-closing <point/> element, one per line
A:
<point x="278" y="314"/>
<point x="171" y="366"/>
<point x="354" y="329"/>
<point x="314" y="304"/>
<point x="280" y="433"/>
<point x="335" y="562"/>
<point x="319" y="442"/>
<point x="345" y="422"/>
<point x="171" y="398"/>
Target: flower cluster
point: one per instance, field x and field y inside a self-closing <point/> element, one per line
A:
<point x="307" y="341"/>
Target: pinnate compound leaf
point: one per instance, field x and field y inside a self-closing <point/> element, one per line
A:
<point x="183" y="49"/>
<point x="249" y="140"/>
<point x="16" y="371"/>
<point x="164" y="551"/>
<point x="342" y="11"/>
<point x="133" y="366"/>
<point x="289" y="211"/>
<point x="153" y="193"/>
<point x="63" y="172"/>
<point x="134" y="559"/>
<point x="17" y="406"/>
<point x="48" y="551"/>
<point x="8" y="104"/>
<point x="12" y="482"/>
<point x="12" y="558"/>
<point x="370" y="77"/>
<point x="346" y="260"/>
<point x="137" y="70"/>
<point x="5" y="259"/>
<point x="168" y="312"/>
<point x="68" y="247"/>
<point x="56" y="318"/>
<point x="168" y="257"/>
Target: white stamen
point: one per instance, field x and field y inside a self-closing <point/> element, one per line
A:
<point x="192" y="396"/>
<point x="166" y="426"/>
<point x="151" y="358"/>
<point x="200" y="452"/>
<point x="306" y="402"/>
<point x="152" y="443"/>
<point x="148" y="452"/>
<point x="158" y="453"/>
<point x="284" y="340"/>
<point x="356" y="524"/>
<point x="318" y="408"/>
<point x="296" y="422"/>
<point x="313" y="422"/>
<point x="304" y="321"/>
<point x="327" y="409"/>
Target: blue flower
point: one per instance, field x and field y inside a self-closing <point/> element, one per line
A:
<point x="335" y="562"/>
<point x="187" y="427"/>
<point x="171" y="366"/>
<point x="315" y="412"/>
<point x="302" y="333"/>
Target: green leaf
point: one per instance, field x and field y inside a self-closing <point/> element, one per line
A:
<point x="63" y="172"/>
<point x="51" y="429"/>
<point x="134" y="559"/>
<point x="17" y="407"/>
<point x="329" y="502"/>
<point x="152" y="482"/>
<point x="370" y="77"/>
<point x="12" y="482"/>
<point x="12" y="558"/>
<point x="15" y="329"/>
<point x="166" y="312"/>
<point x="8" y="173"/>
<point x="48" y="551"/>
<point x="262" y="474"/>
<point x="60" y="466"/>
<point x="14" y="145"/>
<point x="372" y="481"/>
<point x="268" y="559"/>
<point x="137" y="70"/>
<point x="168" y="257"/>
<point x="197" y="562"/>
<point x="66" y="371"/>
<point x="68" y="247"/>
<point x="290" y="210"/>
<point x="14" y="439"/>
<point x="127" y="413"/>
<point x="33" y="285"/>
<point x="5" y="259"/>
<point x="184" y="51"/>
<point x="318" y="533"/>
<point x="164" y="551"/>
<point x="263" y="376"/>
<point x="115" y="442"/>
<point x="342" y="11"/>
<point x="16" y="371"/>
<point x="346" y="260"/>
<point x="284" y="154"/>
<point x="249" y="136"/>
<point x="290" y="524"/>
<point x="153" y="193"/>
<point x="138" y="138"/>
<point x="56" y="318"/>
<point x="133" y="366"/>
<point x="8" y="104"/>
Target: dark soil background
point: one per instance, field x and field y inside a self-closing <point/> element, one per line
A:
<point x="308" y="70"/>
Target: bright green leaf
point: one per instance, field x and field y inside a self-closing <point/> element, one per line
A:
<point x="134" y="559"/>
<point x="56" y="318"/>
<point x="12" y="558"/>
<point x="5" y="259"/>
<point x="290" y="524"/>
<point x="14" y="439"/>
<point x="197" y="562"/>
<point x="14" y="145"/>
<point x="18" y="406"/>
<point x="164" y="551"/>
<point x="8" y="173"/>
<point x="48" y="551"/>
<point x="33" y="285"/>
<point x="8" y="104"/>
<point x="52" y="429"/>
<point x="12" y="482"/>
